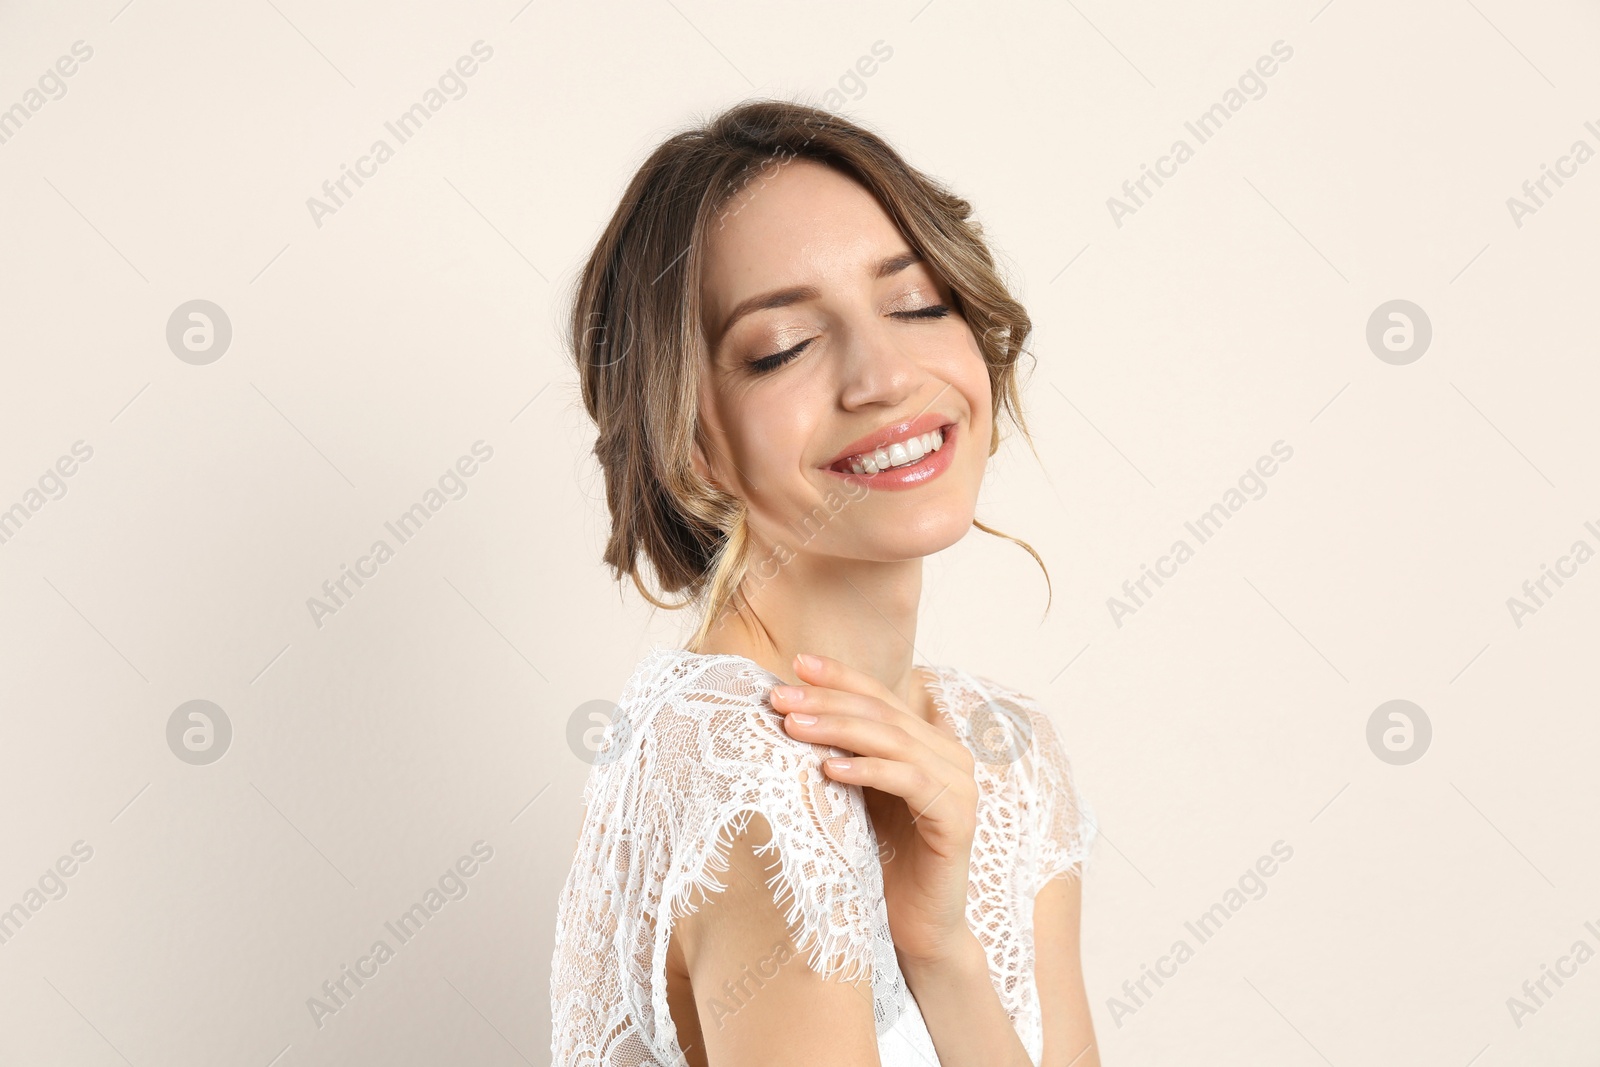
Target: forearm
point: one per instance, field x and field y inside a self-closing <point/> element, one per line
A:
<point x="968" y="1024"/>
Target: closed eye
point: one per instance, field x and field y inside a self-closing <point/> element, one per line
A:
<point x="770" y="363"/>
<point x="767" y="364"/>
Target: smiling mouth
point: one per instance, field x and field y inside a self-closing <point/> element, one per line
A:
<point x="893" y="455"/>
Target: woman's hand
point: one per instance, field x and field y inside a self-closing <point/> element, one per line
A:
<point x="920" y="794"/>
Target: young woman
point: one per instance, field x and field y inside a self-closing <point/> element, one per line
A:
<point x="802" y="845"/>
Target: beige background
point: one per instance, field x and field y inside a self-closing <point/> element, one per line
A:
<point x="430" y="712"/>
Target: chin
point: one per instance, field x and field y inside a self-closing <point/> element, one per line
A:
<point x="929" y="534"/>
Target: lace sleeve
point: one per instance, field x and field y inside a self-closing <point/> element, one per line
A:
<point x="722" y="756"/>
<point x="1065" y="822"/>
<point x="820" y="833"/>
<point x="694" y="757"/>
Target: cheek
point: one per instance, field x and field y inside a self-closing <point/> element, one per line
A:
<point x="972" y="378"/>
<point x="768" y="436"/>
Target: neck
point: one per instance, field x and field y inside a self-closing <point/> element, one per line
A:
<point x="863" y="614"/>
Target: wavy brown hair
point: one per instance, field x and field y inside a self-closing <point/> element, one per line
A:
<point x="639" y="345"/>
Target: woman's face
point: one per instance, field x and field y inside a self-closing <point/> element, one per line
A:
<point x="834" y="354"/>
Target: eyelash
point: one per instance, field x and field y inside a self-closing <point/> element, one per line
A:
<point x="768" y="364"/>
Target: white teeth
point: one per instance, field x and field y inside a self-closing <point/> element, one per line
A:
<point x="899" y="454"/>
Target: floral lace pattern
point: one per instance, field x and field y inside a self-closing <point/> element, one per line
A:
<point x="694" y="754"/>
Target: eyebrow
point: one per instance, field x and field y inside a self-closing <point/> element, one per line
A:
<point x="796" y="294"/>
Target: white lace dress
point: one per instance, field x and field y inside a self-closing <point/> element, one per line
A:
<point x="696" y="750"/>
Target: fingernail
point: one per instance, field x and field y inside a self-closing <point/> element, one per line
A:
<point x="793" y="694"/>
<point x="808" y="663"/>
<point x="802" y="718"/>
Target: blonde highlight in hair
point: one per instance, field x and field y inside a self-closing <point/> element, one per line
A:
<point x="639" y="346"/>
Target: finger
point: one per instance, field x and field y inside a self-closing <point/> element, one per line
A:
<point x="834" y="674"/>
<point x="840" y="712"/>
<point x="839" y="704"/>
<point x="817" y="699"/>
<point x="945" y="805"/>
<point x="874" y="737"/>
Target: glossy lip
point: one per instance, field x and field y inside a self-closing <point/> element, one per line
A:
<point x="911" y="475"/>
<point x="884" y="436"/>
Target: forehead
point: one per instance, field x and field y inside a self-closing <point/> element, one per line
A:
<point x="795" y="223"/>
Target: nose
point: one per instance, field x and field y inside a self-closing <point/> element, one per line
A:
<point x="876" y="367"/>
